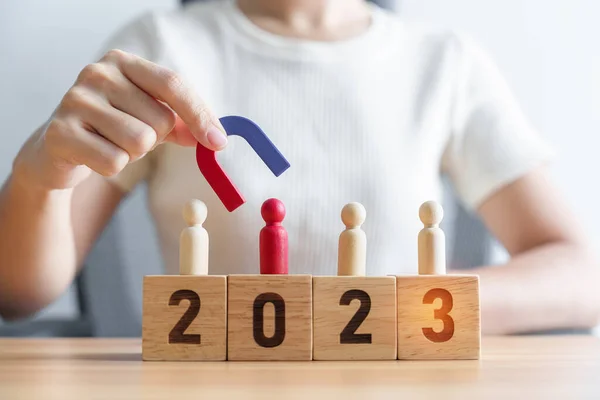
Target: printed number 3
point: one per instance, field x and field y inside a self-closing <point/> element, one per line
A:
<point x="177" y="334"/>
<point x="442" y="314"/>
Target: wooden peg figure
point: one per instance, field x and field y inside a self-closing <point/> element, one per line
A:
<point x="432" y="240"/>
<point x="273" y="241"/>
<point x="193" y="241"/>
<point x="352" y="247"/>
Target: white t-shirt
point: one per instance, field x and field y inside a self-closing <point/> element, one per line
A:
<point x="375" y="119"/>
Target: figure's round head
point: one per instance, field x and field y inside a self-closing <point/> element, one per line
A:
<point x="431" y="213"/>
<point x="353" y="214"/>
<point x="194" y="212"/>
<point x="272" y="211"/>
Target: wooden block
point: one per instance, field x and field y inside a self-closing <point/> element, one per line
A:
<point x="438" y="317"/>
<point x="270" y="317"/>
<point x="184" y="318"/>
<point x="354" y="318"/>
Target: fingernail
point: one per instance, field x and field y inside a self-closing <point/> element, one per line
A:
<point x="216" y="137"/>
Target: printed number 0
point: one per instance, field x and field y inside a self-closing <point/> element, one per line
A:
<point x="258" y="320"/>
<point x="442" y="314"/>
<point x="348" y="335"/>
<point x="177" y="334"/>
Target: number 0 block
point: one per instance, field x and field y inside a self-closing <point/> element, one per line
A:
<point x="184" y="318"/>
<point x="438" y="317"/>
<point x="354" y="318"/>
<point x="270" y="317"/>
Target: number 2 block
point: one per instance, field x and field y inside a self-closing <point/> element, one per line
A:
<point x="270" y="317"/>
<point x="354" y="318"/>
<point x="184" y="318"/>
<point x="438" y="317"/>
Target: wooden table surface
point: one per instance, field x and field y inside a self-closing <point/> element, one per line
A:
<point x="562" y="367"/>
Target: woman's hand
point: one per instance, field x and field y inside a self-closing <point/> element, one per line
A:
<point x="119" y="109"/>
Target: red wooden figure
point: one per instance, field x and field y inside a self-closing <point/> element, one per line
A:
<point x="273" y="241"/>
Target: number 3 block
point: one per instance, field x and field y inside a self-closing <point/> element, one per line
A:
<point x="270" y="317"/>
<point x="438" y="317"/>
<point x="184" y="318"/>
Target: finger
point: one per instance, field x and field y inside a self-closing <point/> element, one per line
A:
<point x="165" y="85"/>
<point x="125" y="131"/>
<point x="128" y="98"/>
<point x="181" y="135"/>
<point x="79" y="145"/>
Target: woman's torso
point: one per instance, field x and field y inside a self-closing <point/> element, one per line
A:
<point x="364" y="120"/>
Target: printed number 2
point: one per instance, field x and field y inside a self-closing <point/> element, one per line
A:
<point x="442" y="314"/>
<point x="348" y="335"/>
<point x="177" y="334"/>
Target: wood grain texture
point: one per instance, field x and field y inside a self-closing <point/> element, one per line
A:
<point x="431" y="240"/>
<point x="193" y="251"/>
<point x="514" y="367"/>
<point x="193" y="240"/>
<point x="374" y="337"/>
<point x="352" y="243"/>
<point x="165" y="304"/>
<point x="244" y="291"/>
<point x="438" y="317"/>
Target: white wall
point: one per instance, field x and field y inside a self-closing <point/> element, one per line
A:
<point x="550" y="54"/>
<point x="43" y="46"/>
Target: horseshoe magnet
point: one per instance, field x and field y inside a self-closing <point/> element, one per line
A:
<point x="260" y="143"/>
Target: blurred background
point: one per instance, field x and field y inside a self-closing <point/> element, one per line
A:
<point x="547" y="50"/>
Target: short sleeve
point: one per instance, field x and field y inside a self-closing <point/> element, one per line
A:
<point x="491" y="142"/>
<point x="139" y="37"/>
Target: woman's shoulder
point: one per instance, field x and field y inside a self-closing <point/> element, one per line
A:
<point x="425" y="36"/>
<point x="151" y="33"/>
<point x="202" y="15"/>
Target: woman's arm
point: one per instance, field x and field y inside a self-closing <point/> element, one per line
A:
<point x="551" y="281"/>
<point x="56" y="202"/>
<point x="45" y="236"/>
